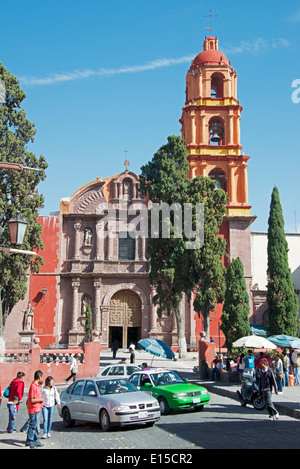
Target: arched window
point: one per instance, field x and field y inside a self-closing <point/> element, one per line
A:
<point x="217" y="89"/>
<point x="219" y="176"/>
<point x="126" y="247"/>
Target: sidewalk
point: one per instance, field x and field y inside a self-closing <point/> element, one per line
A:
<point x="287" y="403"/>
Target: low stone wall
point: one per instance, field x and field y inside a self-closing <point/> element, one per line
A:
<point x="55" y="363"/>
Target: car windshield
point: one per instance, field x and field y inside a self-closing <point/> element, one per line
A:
<point x="165" y="377"/>
<point x="113" y="386"/>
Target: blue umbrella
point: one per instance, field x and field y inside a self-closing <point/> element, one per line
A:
<point x="156" y="347"/>
<point x="285" y="341"/>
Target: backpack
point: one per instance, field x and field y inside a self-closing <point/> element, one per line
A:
<point x="7" y="391"/>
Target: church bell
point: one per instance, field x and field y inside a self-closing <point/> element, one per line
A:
<point x="216" y="132"/>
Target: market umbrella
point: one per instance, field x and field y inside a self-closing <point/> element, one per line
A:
<point x="156" y="347"/>
<point x="254" y="341"/>
<point x="283" y="340"/>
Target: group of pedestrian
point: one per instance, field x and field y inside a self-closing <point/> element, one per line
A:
<point x="284" y="365"/>
<point x="131" y="348"/>
<point x="40" y="398"/>
<point x="272" y="372"/>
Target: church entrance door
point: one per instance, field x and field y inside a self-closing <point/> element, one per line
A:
<point x="125" y="318"/>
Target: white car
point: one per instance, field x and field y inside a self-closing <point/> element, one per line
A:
<point x="108" y="401"/>
<point x="119" y="371"/>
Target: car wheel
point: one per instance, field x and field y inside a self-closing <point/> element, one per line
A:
<point x="67" y="419"/>
<point x="259" y="403"/>
<point x="104" y="421"/>
<point x="164" y="406"/>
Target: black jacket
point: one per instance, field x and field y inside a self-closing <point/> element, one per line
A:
<point x="267" y="381"/>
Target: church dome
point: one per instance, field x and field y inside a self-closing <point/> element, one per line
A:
<point x="210" y="54"/>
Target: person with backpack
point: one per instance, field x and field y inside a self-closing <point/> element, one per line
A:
<point x="17" y="389"/>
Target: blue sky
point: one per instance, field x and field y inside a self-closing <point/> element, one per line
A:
<point x="105" y="76"/>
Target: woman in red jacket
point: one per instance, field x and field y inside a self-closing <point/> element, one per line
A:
<point x="17" y="389"/>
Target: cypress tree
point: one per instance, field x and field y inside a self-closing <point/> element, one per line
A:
<point x="175" y="269"/>
<point x="18" y="193"/>
<point x="88" y="323"/>
<point x="282" y="301"/>
<point x="235" y="317"/>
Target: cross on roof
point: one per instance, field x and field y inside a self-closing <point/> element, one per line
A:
<point x="210" y="17"/>
<point x="126" y="163"/>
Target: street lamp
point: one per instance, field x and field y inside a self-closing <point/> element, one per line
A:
<point x="17" y="226"/>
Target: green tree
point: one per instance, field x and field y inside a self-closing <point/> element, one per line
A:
<point x="208" y="267"/>
<point x="18" y="192"/>
<point x="282" y="301"/>
<point x="236" y="310"/>
<point x="175" y="269"/>
<point x="88" y="322"/>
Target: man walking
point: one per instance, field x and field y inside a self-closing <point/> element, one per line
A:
<point x="266" y="382"/>
<point x="34" y="405"/>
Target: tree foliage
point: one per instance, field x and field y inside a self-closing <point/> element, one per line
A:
<point x="236" y="310"/>
<point x="88" y="322"/>
<point x="18" y="192"/>
<point x="176" y="270"/>
<point x="282" y="301"/>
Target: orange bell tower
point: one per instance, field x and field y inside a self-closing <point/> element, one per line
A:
<point x="211" y="125"/>
<point x="211" y="131"/>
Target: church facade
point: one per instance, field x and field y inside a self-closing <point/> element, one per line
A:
<point x="92" y="260"/>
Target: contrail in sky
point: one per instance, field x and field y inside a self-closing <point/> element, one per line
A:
<point x="102" y="72"/>
<point x="256" y="46"/>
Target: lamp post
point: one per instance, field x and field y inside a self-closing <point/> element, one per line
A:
<point x="17" y="226"/>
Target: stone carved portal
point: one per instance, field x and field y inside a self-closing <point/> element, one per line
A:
<point x="125" y="318"/>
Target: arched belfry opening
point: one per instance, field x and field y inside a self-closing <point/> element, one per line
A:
<point x="217" y="85"/>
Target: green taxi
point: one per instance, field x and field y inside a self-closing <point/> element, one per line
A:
<point x="171" y="391"/>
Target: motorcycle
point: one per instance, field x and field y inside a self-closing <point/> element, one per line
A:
<point x="249" y="393"/>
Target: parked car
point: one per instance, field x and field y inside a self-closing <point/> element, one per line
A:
<point x="171" y="391"/>
<point x="120" y="371"/>
<point x="108" y="401"/>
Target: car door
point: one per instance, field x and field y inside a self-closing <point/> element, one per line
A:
<point x="73" y="399"/>
<point x="117" y="370"/>
<point x="90" y="402"/>
<point x="135" y="379"/>
<point x="131" y="369"/>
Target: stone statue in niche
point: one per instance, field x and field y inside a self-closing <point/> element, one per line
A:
<point x="127" y="190"/>
<point x="86" y="300"/>
<point x="28" y="318"/>
<point x="88" y="237"/>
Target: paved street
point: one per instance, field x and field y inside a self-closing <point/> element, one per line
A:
<point x="223" y="424"/>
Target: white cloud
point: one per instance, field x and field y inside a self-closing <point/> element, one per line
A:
<point x="256" y="47"/>
<point x="295" y="18"/>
